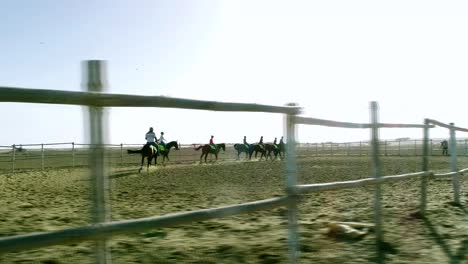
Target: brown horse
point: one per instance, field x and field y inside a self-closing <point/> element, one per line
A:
<point x="148" y="151"/>
<point x="257" y="148"/>
<point x="206" y="149"/>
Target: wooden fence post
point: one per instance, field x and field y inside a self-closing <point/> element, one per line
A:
<point x="121" y="153"/>
<point x="42" y="156"/>
<point x="291" y="191"/>
<point x="453" y="165"/>
<point x="377" y="174"/>
<point x="73" y="154"/>
<point x="465" y="151"/>
<point x="99" y="182"/>
<point x="399" y="148"/>
<point x="13" y="158"/>
<point x="430" y="147"/>
<point x="425" y="166"/>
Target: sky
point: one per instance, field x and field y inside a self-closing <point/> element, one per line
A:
<point x="330" y="57"/>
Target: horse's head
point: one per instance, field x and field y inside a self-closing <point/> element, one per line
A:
<point x="222" y="146"/>
<point x="236" y="146"/>
<point x="172" y="144"/>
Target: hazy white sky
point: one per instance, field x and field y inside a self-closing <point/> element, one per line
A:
<point x="330" y="57"/>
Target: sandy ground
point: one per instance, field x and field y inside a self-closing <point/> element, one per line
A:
<point x="59" y="198"/>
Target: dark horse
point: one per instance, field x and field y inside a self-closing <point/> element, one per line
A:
<point x="209" y="149"/>
<point x="243" y="148"/>
<point x="269" y="148"/>
<point x="148" y="151"/>
<point x="164" y="151"/>
<point x="257" y="148"/>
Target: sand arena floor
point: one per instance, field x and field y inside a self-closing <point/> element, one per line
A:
<point x="34" y="200"/>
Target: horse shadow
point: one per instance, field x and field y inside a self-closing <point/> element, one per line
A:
<point x="455" y="256"/>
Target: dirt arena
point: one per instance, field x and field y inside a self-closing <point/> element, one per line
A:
<point x="34" y="200"/>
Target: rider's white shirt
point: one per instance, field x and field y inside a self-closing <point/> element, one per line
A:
<point x="150" y="137"/>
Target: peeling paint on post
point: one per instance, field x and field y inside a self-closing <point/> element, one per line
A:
<point x="94" y="80"/>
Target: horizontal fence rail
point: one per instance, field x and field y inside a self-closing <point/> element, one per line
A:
<point x="24" y="95"/>
<point x="330" y="123"/>
<point x="109" y="229"/>
<point x="357" y="183"/>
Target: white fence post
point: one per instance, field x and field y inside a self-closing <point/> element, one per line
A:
<point x="99" y="182"/>
<point x="464" y="148"/>
<point x="430" y="147"/>
<point x="13" y="158"/>
<point x="385" y="147"/>
<point x="291" y="182"/>
<point x="42" y="156"/>
<point x="377" y="174"/>
<point x="399" y="148"/>
<point x="73" y="154"/>
<point x="453" y="165"/>
<point x="121" y="153"/>
<point x="425" y="166"/>
<point x="415" y="147"/>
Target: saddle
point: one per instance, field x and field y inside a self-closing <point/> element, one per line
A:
<point x="213" y="147"/>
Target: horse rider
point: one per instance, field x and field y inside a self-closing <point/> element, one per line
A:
<point x="274" y="141"/>
<point x="162" y="140"/>
<point x="444" y="145"/>
<point x="245" y="142"/>
<point x="212" y="144"/>
<point x="281" y="141"/>
<point x="151" y="137"/>
<point x="261" y="141"/>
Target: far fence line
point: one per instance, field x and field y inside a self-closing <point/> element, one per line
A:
<point x="70" y="154"/>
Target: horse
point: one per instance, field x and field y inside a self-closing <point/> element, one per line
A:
<point x="149" y="151"/>
<point x="164" y="151"/>
<point x="444" y="145"/>
<point x="210" y="149"/>
<point x="242" y="148"/>
<point x="272" y="148"/>
<point x="257" y="148"/>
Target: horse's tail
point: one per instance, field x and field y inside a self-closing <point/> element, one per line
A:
<point x="199" y="148"/>
<point x="129" y="151"/>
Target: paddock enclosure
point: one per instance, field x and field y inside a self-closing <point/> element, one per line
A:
<point x="59" y="198"/>
<point x="234" y="212"/>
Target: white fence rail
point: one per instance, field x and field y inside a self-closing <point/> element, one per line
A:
<point x="101" y="230"/>
<point x="53" y="155"/>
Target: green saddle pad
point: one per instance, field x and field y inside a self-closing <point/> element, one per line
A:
<point x="213" y="147"/>
<point x="161" y="148"/>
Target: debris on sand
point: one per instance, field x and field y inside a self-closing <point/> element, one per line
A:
<point x="349" y="230"/>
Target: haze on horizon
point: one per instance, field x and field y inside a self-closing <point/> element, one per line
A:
<point x="332" y="58"/>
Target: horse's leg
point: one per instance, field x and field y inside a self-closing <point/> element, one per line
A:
<point x="142" y="160"/>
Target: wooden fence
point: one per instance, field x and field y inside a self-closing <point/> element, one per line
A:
<point x="102" y="229"/>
